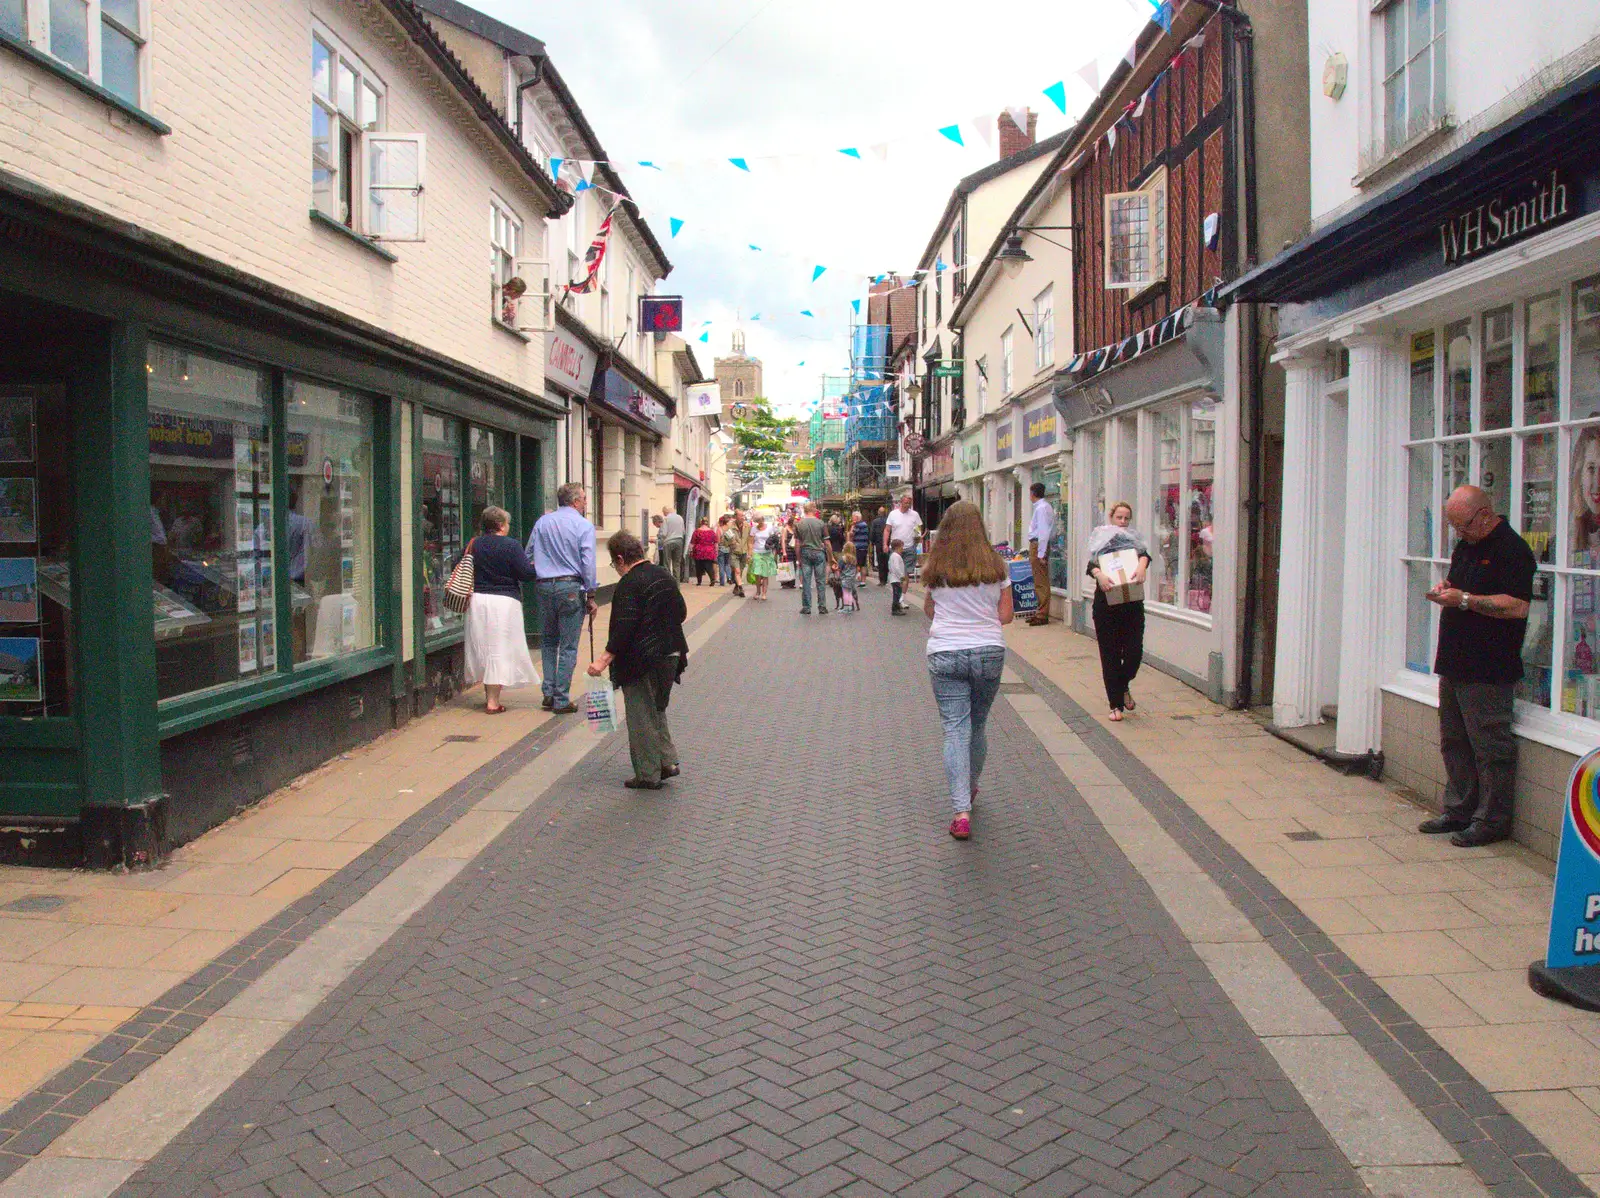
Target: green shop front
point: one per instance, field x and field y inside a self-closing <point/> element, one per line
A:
<point x="226" y="515"/>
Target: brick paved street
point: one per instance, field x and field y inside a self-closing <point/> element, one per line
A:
<point x="779" y="975"/>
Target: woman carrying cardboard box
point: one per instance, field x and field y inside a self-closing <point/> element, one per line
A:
<point x="1118" y="561"/>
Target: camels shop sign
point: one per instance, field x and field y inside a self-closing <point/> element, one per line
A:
<point x="1528" y="207"/>
<point x="568" y="362"/>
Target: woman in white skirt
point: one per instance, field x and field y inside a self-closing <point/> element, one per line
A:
<point x="497" y="641"/>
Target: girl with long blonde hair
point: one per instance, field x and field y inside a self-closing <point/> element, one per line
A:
<point x="969" y="600"/>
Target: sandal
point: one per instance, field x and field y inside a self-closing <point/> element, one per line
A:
<point x="501" y="710"/>
<point x="961" y="827"/>
<point x="1127" y="701"/>
<point x="1116" y="715"/>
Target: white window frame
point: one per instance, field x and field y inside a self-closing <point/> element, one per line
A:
<point x="364" y="124"/>
<point x="1044" y="328"/>
<point x="1007" y="375"/>
<point x="983" y="383"/>
<point x="605" y="306"/>
<point x="36" y="26"/>
<point x="1429" y="52"/>
<point x="1144" y="213"/>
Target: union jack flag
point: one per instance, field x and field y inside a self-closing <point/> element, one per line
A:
<point x="593" y="256"/>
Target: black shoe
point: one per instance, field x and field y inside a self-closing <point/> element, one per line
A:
<point x="670" y="771"/>
<point x="641" y="784"/>
<point x="1443" y="823"/>
<point x="805" y="611"/>
<point x="569" y="709"/>
<point x="548" y="703"/>
<point x="1477" y="836"/>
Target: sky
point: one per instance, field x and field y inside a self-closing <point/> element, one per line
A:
<point x="787" y="84"/>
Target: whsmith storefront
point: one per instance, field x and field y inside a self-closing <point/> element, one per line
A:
<point x="225" y="515"/>
<point x="1446" y="332"/>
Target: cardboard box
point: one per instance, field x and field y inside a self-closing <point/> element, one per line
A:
<point x="1120" y="567"/>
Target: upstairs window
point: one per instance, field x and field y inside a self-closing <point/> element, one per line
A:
<point x="505" y="243"/>
<point x="958" y="258"/>
<point x="983" y="383"/>
<point x="1006" y="360"/>
<point x="102" y="40"/>
<point x="1413" y="68"/>
<point x="1136" y="235"/>
<point x="1044" y="328"/>
<point x="367" y="180"/>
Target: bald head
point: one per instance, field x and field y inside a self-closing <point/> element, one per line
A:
<point x="1471" y="513"/>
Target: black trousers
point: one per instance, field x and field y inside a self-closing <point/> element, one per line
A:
<point x="704" y="569"/>
<point x="883" y="567"/>
<point x="1480" y="754"/>
<point x="1119" y="631"/>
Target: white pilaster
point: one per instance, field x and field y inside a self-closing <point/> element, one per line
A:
<point x="1294" y="676"/>
<point x="1377" y="380"/>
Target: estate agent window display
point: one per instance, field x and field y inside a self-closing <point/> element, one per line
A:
<point x="1509" y="399"/>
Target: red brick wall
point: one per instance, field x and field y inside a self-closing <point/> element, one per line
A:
<point x="1173" y="129"/>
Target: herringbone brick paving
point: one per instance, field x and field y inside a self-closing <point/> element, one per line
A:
<point x="778" y="976"/>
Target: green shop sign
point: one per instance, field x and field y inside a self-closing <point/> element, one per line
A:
<point x="972" y="455"/>
<point x="947" y="370"/>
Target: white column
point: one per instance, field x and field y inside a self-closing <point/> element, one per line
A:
<point x="1294" y="697"/>
<point x="1377" y="379"/>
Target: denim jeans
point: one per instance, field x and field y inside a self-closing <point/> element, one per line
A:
<point x="724" y="567"/>
<point x="813" y="564"/>
<point x="560" y="621"/>
<point x="965" y="683"/>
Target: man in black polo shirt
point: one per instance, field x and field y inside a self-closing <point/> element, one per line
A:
<point x="1485" y="601"/>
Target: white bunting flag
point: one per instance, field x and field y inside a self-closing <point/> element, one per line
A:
<point x="1019" y="116"/>
<point x="1090" y="74"/>
<point x="880" y="151"/>
<point x="984" y="124"/>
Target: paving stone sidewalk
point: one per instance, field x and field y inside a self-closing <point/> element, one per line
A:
<point x="778" y="976"/>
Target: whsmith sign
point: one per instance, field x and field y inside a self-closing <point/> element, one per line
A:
<point x="1528" y="208"/>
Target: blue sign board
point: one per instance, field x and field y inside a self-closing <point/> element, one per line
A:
<point x="614" y="389"/>
<point x="1039" y="428"/>
<point x="1024" y="599"/>
<point x="1571" y="968"/>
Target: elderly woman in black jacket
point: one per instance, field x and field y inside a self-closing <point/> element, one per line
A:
<point x="647" y="652"/>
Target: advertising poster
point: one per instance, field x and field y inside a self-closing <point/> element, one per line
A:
<point x="247" y="647"/>
<point x="21" y="680"/>
<point x="1024" y="599"/>
<point x="264" y="583"/>
<point x="19" y="590"/>
<point x="16" y="428"/>
<point x="347" y="626"/>
<point x="19" y="511"/>
<point x="347" y="575"/>
<point x="269" y="645"/>
<point x="244" y="524"/>
<point x="347" y="530"/>
<point x="247" y="582"/>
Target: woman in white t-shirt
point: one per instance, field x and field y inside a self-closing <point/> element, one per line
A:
<point x="968" y="600"/>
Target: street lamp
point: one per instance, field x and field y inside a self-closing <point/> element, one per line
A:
<point x="1012" y="257"/>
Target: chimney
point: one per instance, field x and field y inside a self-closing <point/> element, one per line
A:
<point x="1012" y="139"/>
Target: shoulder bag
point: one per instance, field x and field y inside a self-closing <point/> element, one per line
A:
<point x="458" y="588"/>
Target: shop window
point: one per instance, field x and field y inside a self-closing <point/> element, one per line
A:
<point x="1536" y="452"/>
<point x="367" y="180"/>
<point x="1184" y="446"/>
<point x="1413" y="68"/>
<point x="1167" y="427"/>
<point x="488" y="457"/>
<point x="1200" y="479"/>
<point x="67" y="30"/>
<point x="1136" y="235"/>
<point x="442" y="536"/>
<point x="37" y="675"/>
<point x="329" y="520"/>
<point x="211" y="529"/>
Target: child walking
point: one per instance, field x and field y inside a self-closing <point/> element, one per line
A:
<point x="848" y="579"/>
<point x="897" y="576"/>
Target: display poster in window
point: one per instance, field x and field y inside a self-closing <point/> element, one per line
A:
<point x="19" y="511"/>
<point x="347" y="529"/>
<point x="16" y="429"/>
<point x="347" y="626"/>
<point x="347" y="575"/>
<point x="244" y="523"/>
<point x="21" y="678"/>
<point x="247" y="576"/>
<point x="269" y="645"/>
<point x="19" y="590"/>
<point x="264" y="582"/>
<point x="247" y="647"/>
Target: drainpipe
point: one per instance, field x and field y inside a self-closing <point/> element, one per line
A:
<point x="534" y="81"/>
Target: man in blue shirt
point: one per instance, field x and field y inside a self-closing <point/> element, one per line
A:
<point x="562" y="549"/>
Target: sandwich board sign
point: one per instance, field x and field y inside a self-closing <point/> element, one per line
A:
<point x="1570" y="970"/>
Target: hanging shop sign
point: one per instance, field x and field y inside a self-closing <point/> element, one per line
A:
<point x="568" y="362"/>
<point x="704" y="399"/>
<point x="661" y="313"/>
<point x="972" y="455"/>
<point x="616" y="391"/>
<point x="948" y="370"/>
<point x="1039" y="428"/>
<point x="894" y="470"/>
<point x="1004" y="441"/>
<point x="1571" y="968"/>
<point x="1528" y="207"/>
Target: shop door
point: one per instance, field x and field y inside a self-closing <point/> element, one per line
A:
<point x="1330" y="552"/>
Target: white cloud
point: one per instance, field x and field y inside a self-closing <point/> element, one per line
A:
<point x="798" y="81"/>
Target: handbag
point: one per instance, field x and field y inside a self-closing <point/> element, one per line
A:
<point x="458" y="587"/>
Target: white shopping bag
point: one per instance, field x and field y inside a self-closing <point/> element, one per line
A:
<point x="602" y="707"/>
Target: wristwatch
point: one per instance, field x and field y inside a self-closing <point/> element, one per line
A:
<point x="1465" y="600"/>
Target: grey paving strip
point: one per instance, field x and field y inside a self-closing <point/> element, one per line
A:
<point x="1505" y="1156"/>
<point x="39" y="1118"/>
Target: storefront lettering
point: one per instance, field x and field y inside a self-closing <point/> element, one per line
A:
<point x="1038" y="429"/>
<point x="1531" y="207"/>
<point x="568" y="363"/>
<point x="188" y="437"/>
<point x="1003" y="439"/>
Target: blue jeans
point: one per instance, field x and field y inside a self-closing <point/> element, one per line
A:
<point x="724" y="566"/>
<point x="560" y="621"/>
<point x="813" y="562"/>
<point x="965" y="683"/>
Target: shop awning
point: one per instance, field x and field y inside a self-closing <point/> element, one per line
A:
<point x="684" y="481"/>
